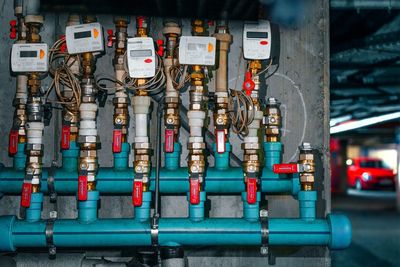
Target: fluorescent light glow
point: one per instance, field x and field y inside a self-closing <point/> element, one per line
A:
<point x="364" y="122"/>
<point x="338" y="120"/>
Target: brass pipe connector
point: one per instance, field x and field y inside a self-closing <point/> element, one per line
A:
<point x="272" y="120"/>
<point x="307" y="163"/>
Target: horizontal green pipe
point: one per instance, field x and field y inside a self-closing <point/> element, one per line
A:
<point x="335" y="233"/>
<point x="111" y="181"/>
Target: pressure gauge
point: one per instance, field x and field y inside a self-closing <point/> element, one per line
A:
<point x="141" y="57"/>
<point x="84" y="38"/>
<point x="257" y="40"/>
<point x="29" y="58"/>
<point x="197" y="50"/>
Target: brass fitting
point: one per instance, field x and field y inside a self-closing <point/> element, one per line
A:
<point x="120" y="101"/>
<point x="306" y="160"/>
<point x="272" y="120"/>
<point x="88" y="158"/>
<point x="34" y="109"/>
<point x="198" y="91"/>
<point x="172" y="31"/>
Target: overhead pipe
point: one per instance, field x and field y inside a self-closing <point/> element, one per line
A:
<point x="364" y="4"/>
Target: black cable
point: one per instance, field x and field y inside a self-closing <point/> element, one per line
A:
<point x="158" y="159"/>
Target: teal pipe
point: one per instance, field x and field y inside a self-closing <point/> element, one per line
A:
<point x="251" y="212"/>
<point x="70" y="157"/>
<point x="335" y="232"/>
<point x="121" y="159"/>
<point x="272" y="155"/>
<point x="110" y="181"/>
<point x="307" y="201"/>
<point x="33" y="213"/>
<point x="196" y="211"/>
<point x="87" y="210"/>
<point x="19" y="158"/>
<point x="172" y="160"/>
<point x="222" y="159"/>
<point x="142" y="213"/>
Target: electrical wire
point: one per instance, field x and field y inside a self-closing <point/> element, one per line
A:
<point x="241" y="111"/>
<point x="64" y="79"/>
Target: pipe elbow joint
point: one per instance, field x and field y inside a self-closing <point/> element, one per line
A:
<point x="341" y="231"/>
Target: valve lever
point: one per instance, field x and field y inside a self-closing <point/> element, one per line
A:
<point x="194" y="191"/>
<point x="82" y="187"/>
<point x="251" y="190"/>
<point x="221" y="146"/>
<point x="137" y="194"/>
<point x="110" y="38"/>
<point x="117" y="141"/>
<point x="248" y="84"/>
<point x="26" y="194"/>
<point x="169" y="140"/>
<point x="286" y="168"/>
<point x="65" y="136"/>
<point x="13" y="142"/>
<point x="13" y="29"/>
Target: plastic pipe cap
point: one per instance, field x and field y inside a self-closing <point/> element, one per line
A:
<point x="341" y="232"/>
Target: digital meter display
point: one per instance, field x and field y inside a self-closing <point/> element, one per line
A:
<point x="80" y="35"/>
<point x="141" y="53"/>
<point x="193" y="46"/>
<point x="25" y="54"/>
<point x="257" y="35"/>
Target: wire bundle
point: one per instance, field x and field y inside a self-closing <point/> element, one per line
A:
<point x="241" y="111"/>
<point x="63" y="76"/>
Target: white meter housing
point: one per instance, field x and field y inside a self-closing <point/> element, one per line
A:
<point x="257" y="40"/>
<point x="197" y="50"/>
<point x="29" y="58"/>
<point x="141" y="57"/>
<point x="84" y="38"/>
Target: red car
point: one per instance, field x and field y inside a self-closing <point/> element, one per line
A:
<point x="369" y="173"/>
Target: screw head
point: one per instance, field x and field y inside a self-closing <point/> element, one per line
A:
<point x="264" y="251"/>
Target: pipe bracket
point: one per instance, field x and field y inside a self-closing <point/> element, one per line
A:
<point x="264" y="232"/>
<point x="49" y="232"/>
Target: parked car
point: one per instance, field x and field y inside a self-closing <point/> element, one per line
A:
<point x="369" y="173"/>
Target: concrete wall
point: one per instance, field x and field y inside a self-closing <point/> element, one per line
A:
<point x="301" y="85"/>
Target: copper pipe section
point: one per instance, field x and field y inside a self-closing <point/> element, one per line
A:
<point x="121" y="100"/>
<point x="34" y="107"/>
<point x="172" y="31"/>
<point x="88" y="138"/>
<point x="221" y="114"/>
<point x="197" y="115"/>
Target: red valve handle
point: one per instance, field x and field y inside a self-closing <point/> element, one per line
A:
<point x="251" y="190"/>
<point x="286" y="168"/>
<point x="63" y="47"/>
<point x="13" y="29"/>
<point x="161" y="48"/>
<point x="117" y="141"/>
<point x="65" y="136"/>
<point x="13" y="142"/>
<point x="220" y="136"/>
<point x="82" y="188"/>
<point x="248" y="84"/>
<point x="110" y="38"/>
<point x="194" y="191"/>
<point x="140" y="21"/>
<point x="137" y="194"/>
<point x="169" y="140"/>
<point x="211" y="23"/>
<point x="26" y="195"/>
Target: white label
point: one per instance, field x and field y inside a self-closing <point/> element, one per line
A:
<point x="197" y="50"/>
<point x="84" y="38"/>
<point x="257" y="40"/>
<point x="29" y="58"/>
<point x="141" y="57"/>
